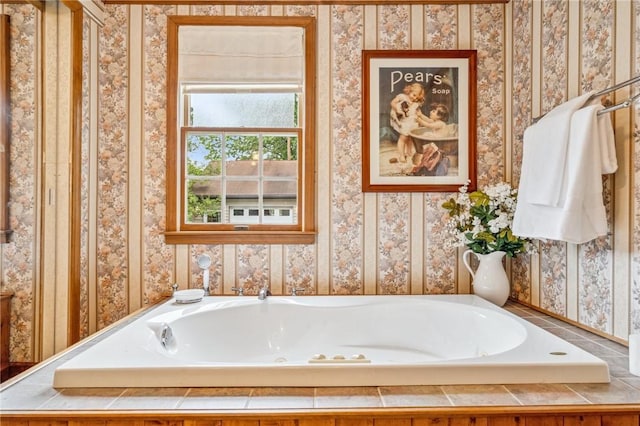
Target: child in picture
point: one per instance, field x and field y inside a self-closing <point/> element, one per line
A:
<point x="405" y="110"/>
<point x="436" y="121"/>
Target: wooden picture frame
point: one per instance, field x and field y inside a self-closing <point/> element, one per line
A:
<point x="419" y="120"/>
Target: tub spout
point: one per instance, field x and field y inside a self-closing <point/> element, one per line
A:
<point x="264" y="292"/>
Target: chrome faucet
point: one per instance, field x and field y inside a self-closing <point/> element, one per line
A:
<point x="264" y="292"/>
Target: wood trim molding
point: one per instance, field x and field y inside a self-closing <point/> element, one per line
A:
<point x="619" y="415"/>
<point x="298" y="2"/>
<point x="5" y="125"/>
<point x="75" y="201"/>
<point x="93" y="8"/>
<point x="39" y="4"/>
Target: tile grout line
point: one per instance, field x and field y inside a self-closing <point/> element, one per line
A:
<point x="446" y="394"/>
<point x="579" y="394"/>
<point x="513" y="395"/>
<point x="183" y="398"/>
<point x="380" y="396"/>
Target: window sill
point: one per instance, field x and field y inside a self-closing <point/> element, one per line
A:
<point x="240" y="237"/>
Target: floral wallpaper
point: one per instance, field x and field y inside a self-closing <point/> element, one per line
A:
<point x="19" y="257"/>
<point x="346" y="198"/>
<point x="488" y="41"/>
<point x="112" y="265"/>
<point x="84" y="208"/>
<point x="440" y="265"/>
<point x="393" y="209"/>
<point x="338" y="265"/>
<point x="394" y="27"/>
<point x="441" y="31"/>
<point x="300" y="274"/>
<point x="555" y="42"/>
<point x="596" y="259"/>
<point x="158" y="258"/>
<point x="521" y="106"/>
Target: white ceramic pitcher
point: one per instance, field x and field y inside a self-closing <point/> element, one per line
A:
<point x="490" y="281"/>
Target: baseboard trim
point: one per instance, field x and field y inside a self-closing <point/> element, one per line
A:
<point x="14" y="369"/>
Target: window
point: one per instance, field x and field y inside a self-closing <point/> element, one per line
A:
<point x="226" y="168"/>
<point x="240" y="142"/>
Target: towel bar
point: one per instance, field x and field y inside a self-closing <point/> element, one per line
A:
<point x="608" y="108"/>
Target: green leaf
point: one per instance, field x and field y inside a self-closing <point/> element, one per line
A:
<point x="486" y="236"/>
<point x="482" y="212"/>
<point x="450" y="204"/>
<point x="479" y="198"/>
<point x="453" y="207"/>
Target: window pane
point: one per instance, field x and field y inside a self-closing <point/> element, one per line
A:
<point x="276" y="216"/>
<point x="243" y="195"/>
<point x="283" y="147"/>
<point x="203" y="201"/>
<point x="204" y="152"/>
<point x="280" y="169"/>
<point x="244" y="109"/>
<point x="285" y="190"/>
<point x="260" y="174"/>
<point x="242" y="153"/>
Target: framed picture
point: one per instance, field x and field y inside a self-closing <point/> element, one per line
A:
<point x="419" y="120"/>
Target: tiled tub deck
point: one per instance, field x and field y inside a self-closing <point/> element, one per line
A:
<point x="32" y="394"/>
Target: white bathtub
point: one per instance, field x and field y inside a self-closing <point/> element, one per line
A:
<point x="329" y="341"/>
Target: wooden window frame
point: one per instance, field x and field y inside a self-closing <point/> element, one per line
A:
<point x="305" y="231"/>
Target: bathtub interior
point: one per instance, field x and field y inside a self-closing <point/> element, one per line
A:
<point x="375" y="331"/>
<point x="329" y="341"/>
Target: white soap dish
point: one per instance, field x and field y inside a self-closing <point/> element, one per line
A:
<point x="192" y="295"/>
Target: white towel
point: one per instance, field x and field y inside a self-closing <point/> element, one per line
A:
<point x="546" y="143"/>
<point x="580" y="215"/>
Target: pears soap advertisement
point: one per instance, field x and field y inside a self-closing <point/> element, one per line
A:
<point x="419" y="120"/>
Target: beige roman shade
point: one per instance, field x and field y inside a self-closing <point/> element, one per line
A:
<point x="241" y="55"/>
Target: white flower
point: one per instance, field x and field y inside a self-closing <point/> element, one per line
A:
<point x="488" y="227"/>
<point x="499" y="223"/>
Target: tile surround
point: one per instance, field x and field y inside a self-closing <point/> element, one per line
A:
<point x="216" y="398"/>
<point x="546" y="394"/>
<point x="361" y="397"/>
<point x="479" y="395"/>
<point x="267" y="398"/>
<point x="414" y="396"/>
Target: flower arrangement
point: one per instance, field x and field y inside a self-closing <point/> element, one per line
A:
<point x="482" y="220"/>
